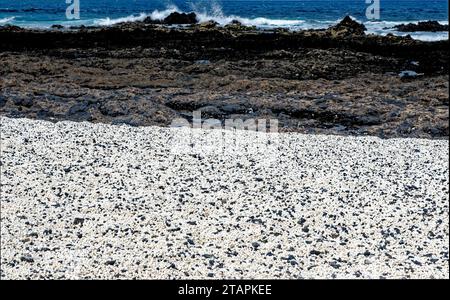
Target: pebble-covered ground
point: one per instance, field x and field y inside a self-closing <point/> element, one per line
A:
<point x="81" y="200"/>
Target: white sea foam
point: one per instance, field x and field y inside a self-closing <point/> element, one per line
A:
<point x="161" y="15"/>
<point x="155" y="15"/>
<point x="7" y="20"/>
<point x="109" y="21"/>
<point x="216" y="14"/>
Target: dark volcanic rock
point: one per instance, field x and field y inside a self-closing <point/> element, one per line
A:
<point x="174" y="18"/>
<point x="235" y="25"/>
<point x="77" y="108"/>
<point x="9" y="27"/>
<point x="347" y="27"/>
<point x="23" y="101"/>
<point x="432" y="26"/>
<point x="209" y="24"/>
<point x="336" y="81"/>
<point x="113" y="108"/>
<point x="181" y="18"/>
<point x="2" y="101"/>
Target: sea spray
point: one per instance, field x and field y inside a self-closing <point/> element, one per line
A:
<point x="7" y="20"/>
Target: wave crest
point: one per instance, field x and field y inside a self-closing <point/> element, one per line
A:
<point x="7" y="20"/>
<point x="109" y="22"/>
<point x="216" y="14"/>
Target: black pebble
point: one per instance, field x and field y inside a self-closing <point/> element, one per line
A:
<point x="110" y="262"/>
<point x="27" y="258"/>
<point x="77" y="221"/>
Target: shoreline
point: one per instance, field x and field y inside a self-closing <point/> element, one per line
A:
<point x="423" y="29"/>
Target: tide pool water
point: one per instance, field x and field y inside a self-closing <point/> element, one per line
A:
<point x="293" y="14"/>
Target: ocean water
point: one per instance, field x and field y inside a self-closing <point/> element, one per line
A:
<point x="292" y="14"/>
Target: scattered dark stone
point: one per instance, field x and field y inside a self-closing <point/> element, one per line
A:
<point x="57" y="26"/>
<point x="335" y="265"/>
<point x="255" y="245"/>
<point x="367" y="253"/>
<point x="289" y="257"/>
<point x="172" y="266"/>
<point x="191" y="242"/>
<point x="315" y="252"/>
<point x="417" y="262"/>
<point x="110" y="262"/>
<point x="27" y="258"/>
<point x="174" y="229"/>
<point x="78" y="221"/>
<point x="257" y="220"/>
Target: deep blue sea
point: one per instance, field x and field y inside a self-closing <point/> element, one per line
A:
<point x="294" y="14"/>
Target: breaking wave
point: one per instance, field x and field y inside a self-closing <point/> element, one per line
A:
<point x="7" y="20"/>
<point x="108" y="21"/>
<point x="202" y="16"/>
<point x="155" y="15"/>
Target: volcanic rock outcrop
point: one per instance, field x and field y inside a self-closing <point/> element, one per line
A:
<point x="432" y="26"/>
<point x="347" y="26"/>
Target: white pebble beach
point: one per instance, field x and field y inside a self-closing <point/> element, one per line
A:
<point x="83" y="200"/>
